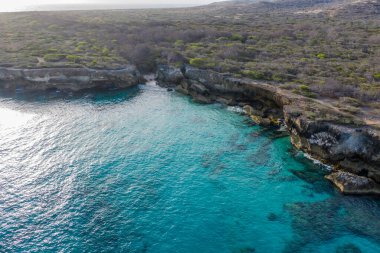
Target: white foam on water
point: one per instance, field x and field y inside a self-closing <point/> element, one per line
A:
<point x="317" y="162"/>
<point x="236" y="109"/>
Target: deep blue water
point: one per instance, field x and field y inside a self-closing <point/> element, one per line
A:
<point x="146" y="170"/>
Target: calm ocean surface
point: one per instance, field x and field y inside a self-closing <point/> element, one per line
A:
<point x="146" y="170"/>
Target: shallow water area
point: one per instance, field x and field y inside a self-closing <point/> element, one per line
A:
<point x="147" y="170"/>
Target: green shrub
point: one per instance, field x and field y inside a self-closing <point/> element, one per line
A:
<point x="79" y="49"/>
<point x="221" y="39"/>
<point x="73" y="58"/>
<point x="304" y="87"/>
<point x="305" y="91"/>
<point x="237" y="37"/>
<point x="377" y="76"/>
<point x="54" y="57"/>
<point x="321" y="56"/>
<point x="82" y="44"/>
<point x="350" y="101"/>
<point x="195" y="46"/>
<point x="280" y="77"/>
<point x="310" y="94"/>
<point x="258" y="75"/>
<point x="105" y="51"/>
<point x="199" y="62"/>
<point x="179" y="43"/>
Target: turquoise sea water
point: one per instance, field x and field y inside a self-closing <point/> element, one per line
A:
<point x="146" y="170"/>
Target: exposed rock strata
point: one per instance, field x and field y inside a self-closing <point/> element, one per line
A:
<point x="319" y="129"/>
<point x="169" y="76"/>
<point x="349" y="183"/>
<point x="67" y="78"/>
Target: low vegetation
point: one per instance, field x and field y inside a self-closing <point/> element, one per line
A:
<point x="326" y="55"/>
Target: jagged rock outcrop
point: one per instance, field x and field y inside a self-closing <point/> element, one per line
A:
<point x="169" y="76"/>
<point x="351" y="147"/>
<point x="318" y="129"/>
<point x="67" y="78"/>
<point x="349" y="183"/>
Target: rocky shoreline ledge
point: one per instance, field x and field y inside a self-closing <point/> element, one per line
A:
<point x="319" y="129"/>
<point x="73" y="79"/>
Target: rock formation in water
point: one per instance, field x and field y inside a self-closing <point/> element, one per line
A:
<point x="350" y="183"/>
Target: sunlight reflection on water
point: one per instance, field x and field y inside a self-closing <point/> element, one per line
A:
<point x="147" y="170"/>
<point x="12" y="118"/>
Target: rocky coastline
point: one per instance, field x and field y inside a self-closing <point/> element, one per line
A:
<point x="327" y="134"/>
<point x="73" y="79"/>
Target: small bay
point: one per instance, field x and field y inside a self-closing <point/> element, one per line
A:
<point x="147" y="170"/>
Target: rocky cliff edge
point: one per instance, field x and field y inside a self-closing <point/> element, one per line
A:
<point x="319" y="129"/>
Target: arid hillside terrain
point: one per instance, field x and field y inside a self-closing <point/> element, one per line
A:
<point x="325" y="48"/>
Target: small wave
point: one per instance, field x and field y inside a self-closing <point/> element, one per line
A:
<point x="152" y="83"/>
<point x="317" y="162"/>
<point x="236" y="109"/>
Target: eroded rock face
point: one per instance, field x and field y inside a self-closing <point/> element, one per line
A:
<point x="351" y="147"/>
<point x="169" y="76"/>
<point x="323" y="132"/>
<point x="67" y="78"/>
<point x="349" y="183"/>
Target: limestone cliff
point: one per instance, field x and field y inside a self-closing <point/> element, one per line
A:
<point x="67" y="78"/>
<point x="319" y="129"/>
